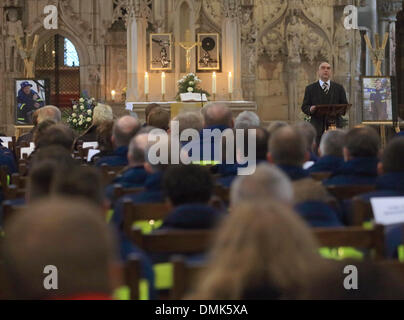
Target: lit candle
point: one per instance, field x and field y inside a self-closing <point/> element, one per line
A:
<point x="113" y="93"/>
<point x="163" y="83"/>
<point x="230" y="83"/>
<point x="214" y="83"/>
<point x="146" y="83"/>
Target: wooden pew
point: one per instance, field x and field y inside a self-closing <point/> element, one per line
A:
<point x="142" y="212"/>
<point x="362" y="212"/>
<point x="133" y="275"/>
<point x="120" y="191"/>
<point x="186" y="275"/>
<point x="356" y="237"/>
<point x="349" y="192"/>
<point x="110" y="173"/>
<point x="174" y="241"/>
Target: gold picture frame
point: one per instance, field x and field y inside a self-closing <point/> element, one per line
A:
<point x="208" y="53"/>
<point x="161" y="51"/>
<point x="378" y="105"/>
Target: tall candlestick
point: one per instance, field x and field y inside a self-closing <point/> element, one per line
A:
<point x="113" y="93"/>
<point x="146" y="83"/>
<point x="214" y="83"/>
<point x="163" y="83"/>
<point x="230" y="83"/>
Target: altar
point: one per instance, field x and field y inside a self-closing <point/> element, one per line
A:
<point x="176" y="107"/>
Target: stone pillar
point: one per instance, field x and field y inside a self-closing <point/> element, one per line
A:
<point x="231" y="44"/>
<point x="138" y="15"/>
<point x="387" y="10"/>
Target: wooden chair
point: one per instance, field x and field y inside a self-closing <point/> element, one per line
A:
<point x="10" y="192"/>
<point x="142" y="212"/>
<point x="17" y="149"/>
<point x="23" y="167"/>
<point x="320" y="176"/>
<point x="4" y="177"/>
<point x="19" y="181"/>
<point x="185" y="276"/>
<point x="174" y="241"/>
<point x="353" y="237"/>
<point x="120" y="191"/>
<point x="133" y="275"/>
<point x="110" y="173"/>
<point x="362" y="212"/>
<point x="348" y="192"/>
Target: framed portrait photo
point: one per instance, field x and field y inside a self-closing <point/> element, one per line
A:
<point x="377" y="99"/>
<point x="161" y="51"/>
<point x="208" y="57"/>
<point x="31" y="95"/>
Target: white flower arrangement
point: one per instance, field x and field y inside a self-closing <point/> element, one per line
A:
<point x="81" y="115"/>
<point x="189" y="83"/>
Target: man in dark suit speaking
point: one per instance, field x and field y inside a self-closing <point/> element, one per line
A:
<point x="321" y="92"/>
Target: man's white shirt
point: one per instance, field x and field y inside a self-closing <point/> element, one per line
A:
<point x="322" y="83"/>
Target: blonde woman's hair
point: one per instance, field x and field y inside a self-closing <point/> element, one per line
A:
<point x="261" y="245"/>
<point x="102" y="112"/>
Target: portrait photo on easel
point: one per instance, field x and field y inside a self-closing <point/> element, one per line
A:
<point x="31" y="95"/>
<point x="377" y="99"/>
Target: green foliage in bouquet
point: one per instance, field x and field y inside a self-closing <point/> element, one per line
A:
<point x="80" y="116"/>
<point x="190" y="84"/>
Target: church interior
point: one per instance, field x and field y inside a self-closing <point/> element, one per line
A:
<point x="311" y="87"/>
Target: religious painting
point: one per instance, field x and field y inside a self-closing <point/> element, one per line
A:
<point x="31" y="95"/>
<point x="377" y="99"/>
<point x="208" y="56"/>
<point x="161" y="56"/>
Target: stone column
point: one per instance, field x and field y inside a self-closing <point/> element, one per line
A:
<point x="138" y="15"/>
<point x="387" y="10"/>
<point x="231" y="44"/>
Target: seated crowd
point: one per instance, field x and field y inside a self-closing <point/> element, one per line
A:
<point x="77" y="215"/>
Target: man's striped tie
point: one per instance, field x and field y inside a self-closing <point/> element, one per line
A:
<point x="326" y="89"/>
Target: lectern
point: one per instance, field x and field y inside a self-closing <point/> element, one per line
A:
<point x="331" y="112"/>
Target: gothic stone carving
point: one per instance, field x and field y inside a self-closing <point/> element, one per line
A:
<point x="13" y="29"/>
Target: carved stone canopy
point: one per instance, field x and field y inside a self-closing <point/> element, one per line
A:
<point x="389" y="8"/>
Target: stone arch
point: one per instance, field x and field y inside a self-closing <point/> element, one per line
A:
<point x="83" y="53"/>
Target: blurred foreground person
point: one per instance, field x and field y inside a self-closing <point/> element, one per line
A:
<point x="263" y="251"/>
<point x="70" y="237"/>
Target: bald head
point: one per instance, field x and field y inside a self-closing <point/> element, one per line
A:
<point x="137" y="147"/>
<point x="49" y="113"/>
<point x="218" y="114"/>
<point x="70" y="235"/>
<point x="124" y="130"/>
<point x="287" y="147"/>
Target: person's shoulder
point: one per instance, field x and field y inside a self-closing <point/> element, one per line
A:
<point x="337" y="85"/>
<point x="312" y="85"/>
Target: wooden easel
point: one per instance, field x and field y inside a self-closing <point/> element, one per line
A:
<point x="378" y="56"/>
